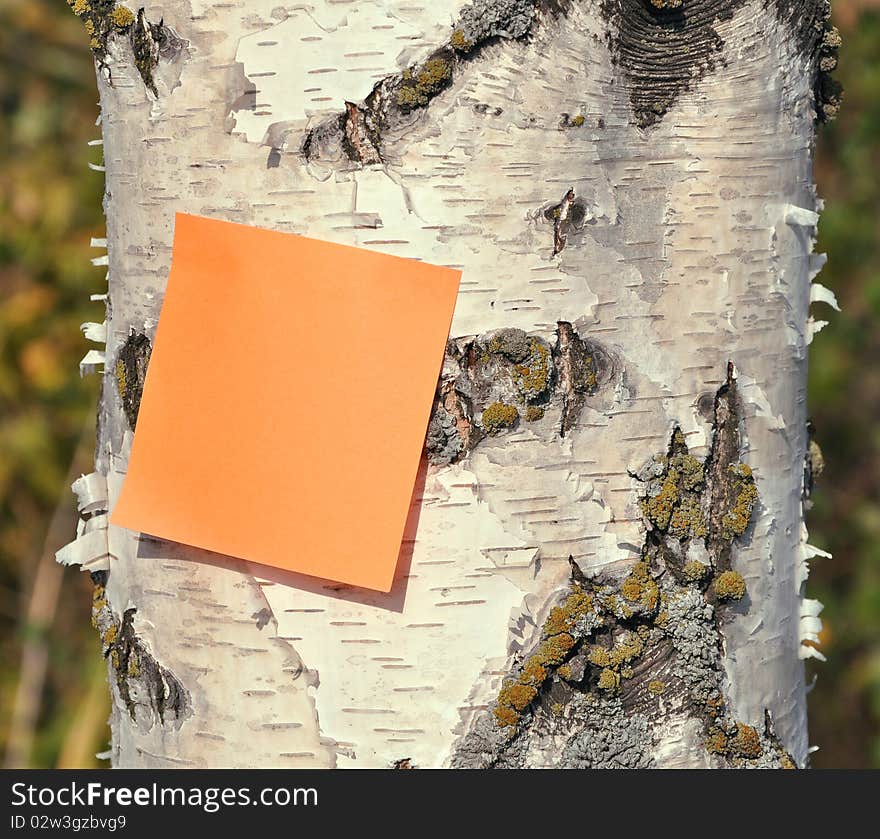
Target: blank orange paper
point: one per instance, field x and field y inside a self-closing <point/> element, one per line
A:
<point x="287" y="399"/>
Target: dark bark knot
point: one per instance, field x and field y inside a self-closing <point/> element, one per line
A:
<point x="492" y="383"/>
<point x="131" y="371"/>
<point x="664" y="47"/>
<point x="149" y="692"/>
<point x="150" y="42"/>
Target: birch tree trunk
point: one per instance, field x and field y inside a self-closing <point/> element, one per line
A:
<point x="605" y="559"/>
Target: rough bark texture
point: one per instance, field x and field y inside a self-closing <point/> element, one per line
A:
<point x="605" y="560"/>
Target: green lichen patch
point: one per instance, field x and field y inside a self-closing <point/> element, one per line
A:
<point x="498" y="417"/>
<point x="419" y="85"/>
<point x="736" y="520"/>
<point x="695" y="571"/>
<point x="605" y="656"/>
<point x="827" y="90"/>
<point x="673" y="497"/>
<point x="566" y="624"/>
<point x="532" y="376"/>
<point x="729" y="585"/>
<point x="460" y="42"/>
<point x="102" y="19"/>
<point x="640" y="589"/>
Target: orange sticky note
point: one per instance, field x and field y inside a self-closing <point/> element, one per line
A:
<point x="287" y="399"/>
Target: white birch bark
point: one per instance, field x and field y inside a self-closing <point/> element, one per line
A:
<point x="694" y="250"/>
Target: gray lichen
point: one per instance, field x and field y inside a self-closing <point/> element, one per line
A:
<point x="443" y="440"/>
<point x="485" y="19"/>
<point x="612" y="740"/>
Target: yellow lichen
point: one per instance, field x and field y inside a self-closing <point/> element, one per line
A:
<point x="110" y="634"/>
<point x="694" y="571"/>
<point x="563" y="618"/>
<point x="578" y="121"/>
<point x="667" y="4"/>
<point x="687" y="520"/>
<point x="629" y="646"/>
<point x="565" y="671"/>
<point x="608" y="680"/>
<point x="666" y="508"/>
<point x="656" y="687"/>
<point x="534" y="413"/>
<point x="557" y="708"/>
<point x="430" y="80"/>
<point x="80" y="7"/>
<point x="517" y="695"/>
<point x="599" y="656"/>
<point x="99" y="601"/>
<point x="533" y="673"/>
<point x="746" y="742"/>
<point x="554" y="649"/>
<point x="690" y="470"/>
<point x="715" y="705"/>
<point x="460" y="42"/>
<point x="716" y="741"/>
<point x="556" y="645"/>
<point x="498" y="416"/>
<point x="658" y="508"/>
<point x="532" y="378"/>
<point x="122" y="17"/>
<point x="121" y="381"/>
<point x="639" y="587"/>
<point x="736" y="520"/>
<point x="730" y="585"/>
<point x="134" y="668"/>
<point x="505" y="716"/>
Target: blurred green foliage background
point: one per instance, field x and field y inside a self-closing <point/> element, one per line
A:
<point x="54" y="705"/>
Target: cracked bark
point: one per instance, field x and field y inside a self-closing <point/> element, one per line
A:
<point x="631" y="204"/>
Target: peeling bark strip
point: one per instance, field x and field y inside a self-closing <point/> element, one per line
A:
<point x="106" y="19"/>
<point x="131" y="371"/>
<point x="151" y="693"/>
<point x="395" y="101"/>
<point x="615" y="659"/>
<point x="490" y="383"/>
